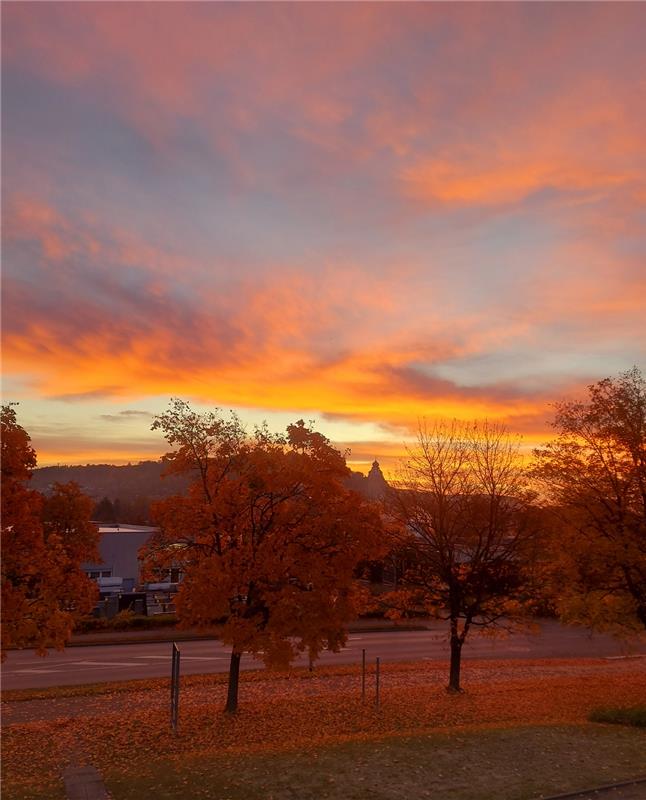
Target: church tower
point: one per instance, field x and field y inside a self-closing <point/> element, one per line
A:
<point x="376" y="485"/>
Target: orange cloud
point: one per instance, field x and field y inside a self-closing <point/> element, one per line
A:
<point x="273" y="342"/>
<point x="304" y="341"/>
<point x="52" y="450"/>
<point x="463" y="183"/>
<point x="586" y="139"/>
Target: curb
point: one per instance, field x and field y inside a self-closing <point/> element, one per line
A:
<point x="176" y="636"/>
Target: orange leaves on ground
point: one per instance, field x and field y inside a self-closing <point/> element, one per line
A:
<point x="125" y="731"/>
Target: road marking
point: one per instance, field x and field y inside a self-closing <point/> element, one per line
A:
<point x="355" y="638"/>
<point x="632" y="655"/>
<point x="165" y="658"/>
<point x="106" y="664"/>
<point x="203" y="658"/>
<point x="187" y="658"/>
<point x="36" y="671"/>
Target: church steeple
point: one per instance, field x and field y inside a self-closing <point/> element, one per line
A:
<point x="376" y="484"/>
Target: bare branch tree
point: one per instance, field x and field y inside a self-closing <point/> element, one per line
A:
<point x="470" y="529"/>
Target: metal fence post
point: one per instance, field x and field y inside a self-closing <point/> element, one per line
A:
<point x="172" y="680"/>
<point x="377" y="685"/>
<point x="363" y="676"/>
<point x="172" y="685"/>
<point x="174" y="688"/>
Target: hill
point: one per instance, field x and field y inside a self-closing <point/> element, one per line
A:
<point x="124" y="493"/>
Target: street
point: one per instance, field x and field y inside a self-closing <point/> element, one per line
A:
<point x="101" y="663"/>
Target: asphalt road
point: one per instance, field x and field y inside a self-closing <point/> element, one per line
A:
<point x="100" y="663"/>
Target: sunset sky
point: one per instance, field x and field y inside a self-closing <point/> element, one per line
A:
<point x="359" y="214"/>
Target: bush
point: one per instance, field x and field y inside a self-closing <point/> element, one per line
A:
<point x="125" y="621"/>
<point x="128" y="621"/>
<point x="157" y="621"/>
<point x="122" y="621"/>
<point x="90" y="625"/>
<point x="635" y="716"/>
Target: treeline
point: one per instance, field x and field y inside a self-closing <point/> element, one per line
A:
<point x="125" y="494"/>
<point x="123" y="512"/>
<point x="122" y="494"/>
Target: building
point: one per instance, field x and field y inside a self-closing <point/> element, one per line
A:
<point x="120" y="567"/>
<point x="375" y="486"/>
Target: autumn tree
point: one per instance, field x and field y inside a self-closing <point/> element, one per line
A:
<point x="469" y="531"/>
<point x="66" y="515"/>
<point x="594" y="477"/>
<point x="267" y="536"/>
<point x="44" y="541"/>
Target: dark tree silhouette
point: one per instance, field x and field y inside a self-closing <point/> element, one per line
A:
<point x="104" y="511"/>
<point x="469" y="531"/>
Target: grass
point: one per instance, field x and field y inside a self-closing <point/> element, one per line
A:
<point x="507" y="764"/>
<point x="512" y="764"/>
<point x="635" y="716"/>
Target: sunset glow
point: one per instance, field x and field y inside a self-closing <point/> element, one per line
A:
<point x="359" y="214"/>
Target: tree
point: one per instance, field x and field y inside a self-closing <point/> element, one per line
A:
<point x="104" y="511"/>
<point x="594" y="477"/>
<point x="67" y="529"/>
<point x="267" y="536"/>
<point x="44" y="541"/>
<point x="469" y="531"/>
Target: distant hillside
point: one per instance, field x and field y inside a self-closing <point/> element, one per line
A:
<point x="124" y="493"/>
<point x="107" y="480"/>
<point x="145" y="479"/>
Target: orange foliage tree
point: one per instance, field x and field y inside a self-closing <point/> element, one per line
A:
<point x="469" y="532"/>
<point x="594" y="476"/>
<point x="267" y="536"/>
<point x="44" y="540"/>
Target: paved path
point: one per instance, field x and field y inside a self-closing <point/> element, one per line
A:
<point x="634" y="790"/>
<point x="84" y="783"/>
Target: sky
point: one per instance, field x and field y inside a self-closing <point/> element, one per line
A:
<point x="358" y="214"/>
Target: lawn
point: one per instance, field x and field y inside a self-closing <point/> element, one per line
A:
<point x="511" y="764"/>
<point x="520" y="729"/>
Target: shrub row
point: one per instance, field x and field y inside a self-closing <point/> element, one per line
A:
<point x="125" y="621"/>
<point x="635" y="716"/>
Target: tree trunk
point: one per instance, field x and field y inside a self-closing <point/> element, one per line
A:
<point x="456" y="656"/>
<point x="234" y="676"/>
